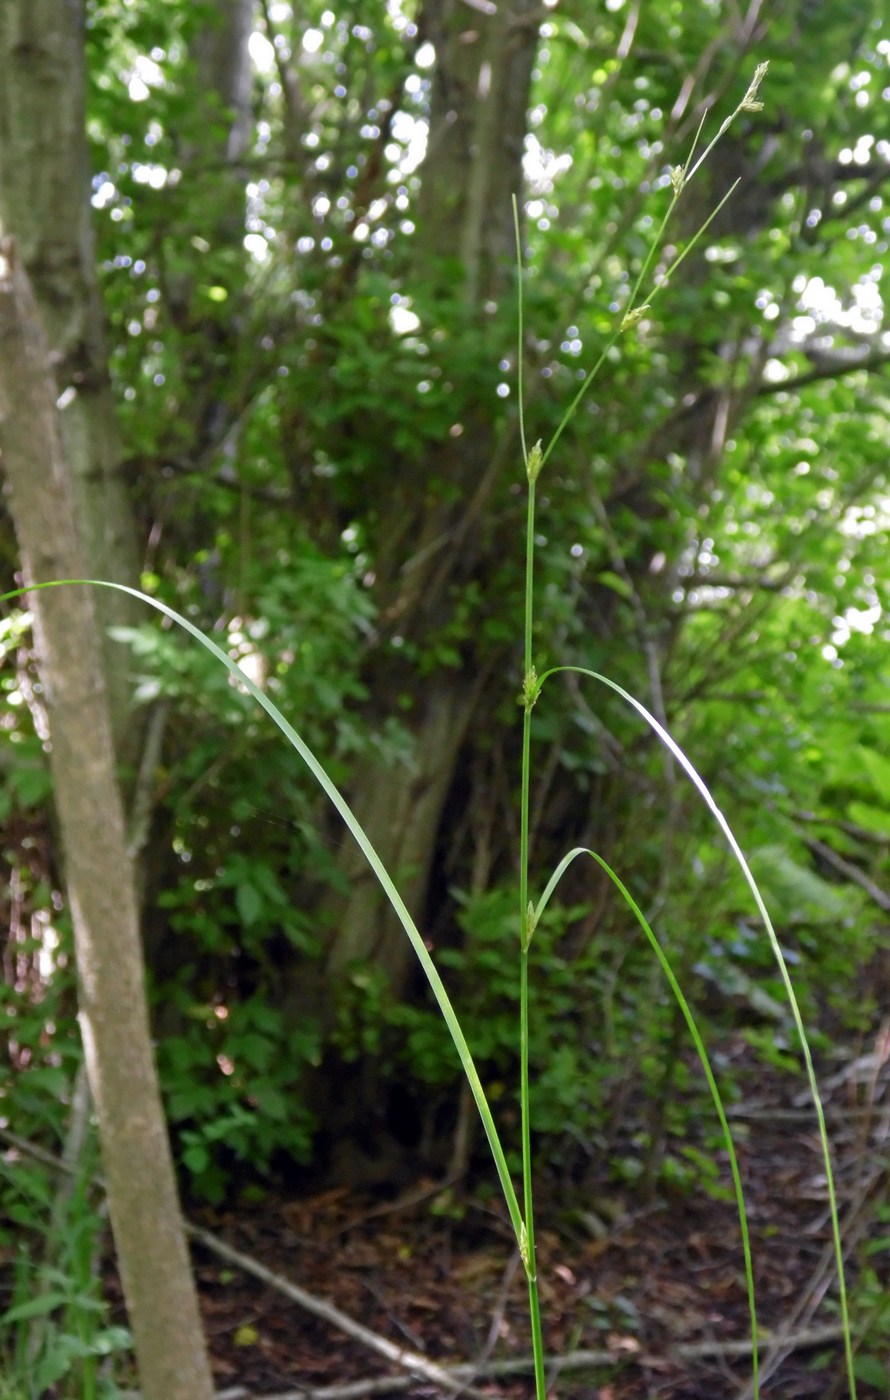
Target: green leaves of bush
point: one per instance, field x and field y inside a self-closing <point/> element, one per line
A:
<point x="232" y="1084"/>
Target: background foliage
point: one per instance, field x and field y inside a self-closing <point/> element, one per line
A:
<point x="313" y="355"/>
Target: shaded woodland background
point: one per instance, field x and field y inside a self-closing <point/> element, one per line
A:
<point x="292" y="372"/>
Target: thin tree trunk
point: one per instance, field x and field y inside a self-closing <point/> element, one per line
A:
<point x="45" y="207"/>
<point x="99" y="871"/>
<point x="61" y="451"/>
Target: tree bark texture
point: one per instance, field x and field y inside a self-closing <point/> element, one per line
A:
<point x="218" y="134"/>
<point x="477" y="127"/>
<point x="99" y="871"/>
<point x="45" y="206"/>
<point x="402" y="807"/>
<point x="224" y="74"/>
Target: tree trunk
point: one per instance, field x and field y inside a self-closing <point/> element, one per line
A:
<point x="45" y="207"/>
<point x="402" y="806"/>
<point x="99" y="871"/>
<point x="210" y="246"/>
<point x="472" y="169"/>
<point x="72" y="516"/>
<point x="477" y="128"/>
<point x="224" y="73"/>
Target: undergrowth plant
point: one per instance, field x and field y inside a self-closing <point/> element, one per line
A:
<point x="55" y="1337"/>
<point x="531" y="906"/>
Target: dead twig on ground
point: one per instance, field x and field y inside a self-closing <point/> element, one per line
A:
<point x="412" y="1361"/>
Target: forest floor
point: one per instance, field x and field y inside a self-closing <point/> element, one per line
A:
<point x="638" y="1302"/>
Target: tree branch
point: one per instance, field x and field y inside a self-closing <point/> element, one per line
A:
<point x="850" y="872"/>
<point x="411" y="1361"/>
<point x="824" y="371"/>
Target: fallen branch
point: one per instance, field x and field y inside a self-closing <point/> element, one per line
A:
<point x="412" y="1361"/>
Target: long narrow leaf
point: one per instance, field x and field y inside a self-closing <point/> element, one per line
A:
<point x="692" y="1025"/>
<point x="701" y="787"/>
